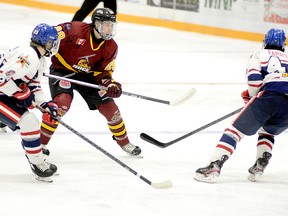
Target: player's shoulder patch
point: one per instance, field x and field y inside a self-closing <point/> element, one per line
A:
<point x="64" y="84"/>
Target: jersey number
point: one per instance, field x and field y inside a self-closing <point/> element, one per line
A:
<point x="275" y="66"/>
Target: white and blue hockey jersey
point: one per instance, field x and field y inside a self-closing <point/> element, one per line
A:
<point x="22" y="65"/>
<point x="267" y="70"/>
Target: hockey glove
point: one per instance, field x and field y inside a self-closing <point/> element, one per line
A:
<point x="114" y="88"/>
<point x="25" y="97"/>
<point x="245" y="96"/>
<point x="52" y="112"/>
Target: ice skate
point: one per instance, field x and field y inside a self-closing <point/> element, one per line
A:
<point x="42" y="171"/>
<point x="132" y="150"/>
<point x="258" y="168"/>
<point x="52" y="167"/>
<point x="3" y="127"/>
<point x="211" y="172"/>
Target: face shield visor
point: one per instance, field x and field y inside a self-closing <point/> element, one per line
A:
<point x="52" y="47"/>
<point x="106" y="29"/>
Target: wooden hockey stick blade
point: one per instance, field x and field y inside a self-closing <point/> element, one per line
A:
<point x="184" y="98"/>
<point x="159" y="144"/>
<point x="162" y="185"/>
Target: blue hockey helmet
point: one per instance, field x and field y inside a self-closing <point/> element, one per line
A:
<point x="47" y="37"/>
<point x="275" y="38"/>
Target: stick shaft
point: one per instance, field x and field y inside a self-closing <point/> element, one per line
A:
<point x="158" y="186"/>
<point x="104" y="88"/>
<point x="150" y="139"/>
<point x="105" y="152"/>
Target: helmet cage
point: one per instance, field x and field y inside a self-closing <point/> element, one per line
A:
<point x="104" y="19"/>
<point x="107" y="26"/>
<point x="52" y="47"/>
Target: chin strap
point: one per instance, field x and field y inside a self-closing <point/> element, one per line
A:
<point x="48" y="52"/>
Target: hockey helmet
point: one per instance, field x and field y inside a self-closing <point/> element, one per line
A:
<point x="47" y="37"/>
<point x="104" y="17"/>
<point x="103" y="14"/>
<point x="275" y="38"/>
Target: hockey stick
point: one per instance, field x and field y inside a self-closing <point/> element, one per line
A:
<point x="159" y="185"/>
<point x="150" y="139"/>
<point x="176" y="102"/>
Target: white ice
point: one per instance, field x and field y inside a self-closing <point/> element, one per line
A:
<point x="160" y="63"/>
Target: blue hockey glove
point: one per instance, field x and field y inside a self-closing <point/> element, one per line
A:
<point x="51" y="107"/>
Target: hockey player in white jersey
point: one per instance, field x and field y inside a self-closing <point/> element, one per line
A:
<point x="21" y="70"/>
<point x="265" y="111"/>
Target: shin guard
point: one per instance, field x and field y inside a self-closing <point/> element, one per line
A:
<point x="64" y="102"/>
<point x="115" y="122"/>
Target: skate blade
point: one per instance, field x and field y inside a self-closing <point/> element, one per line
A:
<point x="137" y="156"/>
<point x="44" y="179"/>
<point x="56" y="174"/>
<point x="206" y="179"/>
<point x="253" y="177"/>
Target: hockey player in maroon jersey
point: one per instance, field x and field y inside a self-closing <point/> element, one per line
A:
<point x="87" y="53"/>
<point x="21" y="70"/>
<point x="265" y="112"/>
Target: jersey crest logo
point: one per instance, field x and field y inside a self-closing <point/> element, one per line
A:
<point x="23" y="60"/>
<point x="65" y="84"/>
<point x="82" y="65"/>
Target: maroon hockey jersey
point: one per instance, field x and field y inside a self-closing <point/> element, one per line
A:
<point x="81" y="52"/>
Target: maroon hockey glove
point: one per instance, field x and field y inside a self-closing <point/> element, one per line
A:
<point x="245" y="96"/>
<point x="114" y="88"/>
<point x="52" y="112"/>
<point x="25" y="97"/>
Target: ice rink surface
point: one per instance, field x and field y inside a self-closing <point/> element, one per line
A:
<point x="161" y="63"/>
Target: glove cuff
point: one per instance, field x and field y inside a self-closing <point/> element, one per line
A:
<point x="107" y="82"/>
<point x="22" y="95"/>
